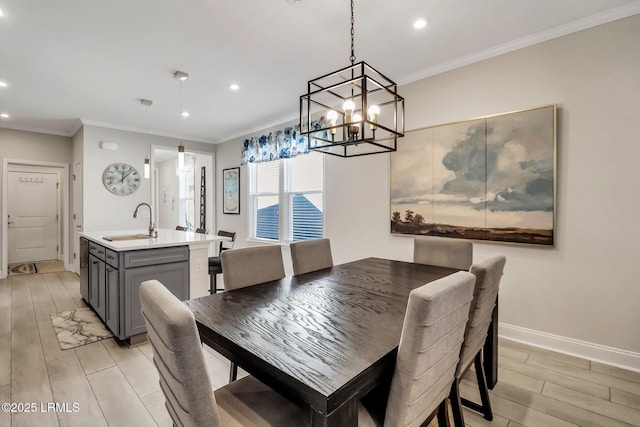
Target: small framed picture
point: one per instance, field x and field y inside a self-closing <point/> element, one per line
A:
<point x="231" y="191"/>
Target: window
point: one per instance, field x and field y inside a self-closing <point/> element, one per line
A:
<point x="286" y="198"/>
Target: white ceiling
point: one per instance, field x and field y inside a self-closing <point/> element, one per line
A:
<point x="71" y="60"/>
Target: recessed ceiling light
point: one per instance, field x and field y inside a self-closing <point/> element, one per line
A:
<point x="185" y="114"/>
<point x="3" y="84"/>
<point x="420" y="23"/>
<point x="4" y="115"/>
<point x="234" y="87"/>
<point x="1" y="12"/>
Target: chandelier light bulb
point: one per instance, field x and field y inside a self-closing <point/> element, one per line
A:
<point x="348" y="108"/>
<point x="354" y="129"/>
<point x="373" y="113"/>
<point x="332" y="116"/>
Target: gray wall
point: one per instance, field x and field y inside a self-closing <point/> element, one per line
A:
<point x="103" y="210"/>
<point x="582" y="295"/>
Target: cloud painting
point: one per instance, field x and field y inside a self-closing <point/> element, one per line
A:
<point x="490" y="179"/>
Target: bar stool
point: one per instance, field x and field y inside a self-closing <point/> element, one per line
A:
<point x="215" y="266"/>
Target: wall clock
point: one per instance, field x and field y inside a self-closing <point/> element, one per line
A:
<point x="121" y="179"/>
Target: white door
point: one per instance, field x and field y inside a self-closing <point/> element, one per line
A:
<point x="33" y="216"/>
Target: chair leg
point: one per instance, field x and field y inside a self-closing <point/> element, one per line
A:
<point x="485" y="407"/>
<point x="443" y="417"/>
<point x="212" y="283"/>
<point x="233" y="372"/>
<point x="456" y="404"/>
<point x="482" y="385"/>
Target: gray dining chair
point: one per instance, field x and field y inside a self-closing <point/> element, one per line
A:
<point x="251" y="266"/>
<point x="430" y="343"/>
<point x="189" y="398"/>
<point x="310" y="255"/>
<point x="488" y="274"/>
<point x="443" y="252"/>
<point x="247" y="267"/>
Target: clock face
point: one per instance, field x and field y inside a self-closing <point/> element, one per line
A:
<point x="121" y="179"/>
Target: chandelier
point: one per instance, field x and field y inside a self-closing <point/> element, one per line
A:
<point x="351" y="112"/>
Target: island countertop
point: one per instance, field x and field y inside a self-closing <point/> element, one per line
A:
<point x="166" y="238"/>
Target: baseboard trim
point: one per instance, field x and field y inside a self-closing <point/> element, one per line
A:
<point x="586" y="350"/>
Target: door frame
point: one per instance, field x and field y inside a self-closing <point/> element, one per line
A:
<point x="64" y="167"/>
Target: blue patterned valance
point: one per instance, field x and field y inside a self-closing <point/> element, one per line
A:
<point x="280" y="144"/>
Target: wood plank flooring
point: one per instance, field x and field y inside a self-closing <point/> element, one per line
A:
<point x="107" y="384"/>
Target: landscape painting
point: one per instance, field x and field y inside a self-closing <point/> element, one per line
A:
<point x="490" y="178"/>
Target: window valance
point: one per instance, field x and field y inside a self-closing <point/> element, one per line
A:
<point x="280" y="144"/>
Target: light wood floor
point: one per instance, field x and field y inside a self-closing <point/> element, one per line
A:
<point x="112" y="385"/>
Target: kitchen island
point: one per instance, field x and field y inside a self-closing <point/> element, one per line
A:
<point x="114" y="263"/>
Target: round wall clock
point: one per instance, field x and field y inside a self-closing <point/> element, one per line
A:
<point x="121" y="179"/>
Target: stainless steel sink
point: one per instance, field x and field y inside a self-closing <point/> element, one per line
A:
<point x="127" y="237"/>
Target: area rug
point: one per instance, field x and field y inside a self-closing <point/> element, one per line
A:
<point x="22" y="268"/>
<point x="52" y="266"/>
<point x="78" y="327"/>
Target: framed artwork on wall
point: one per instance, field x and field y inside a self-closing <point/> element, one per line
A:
<point x="231" y="191"/>
<point x="491" y="178"/>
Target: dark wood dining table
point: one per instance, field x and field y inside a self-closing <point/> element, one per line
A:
<point x="323" y="339"/>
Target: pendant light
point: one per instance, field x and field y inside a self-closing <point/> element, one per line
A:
<point x="147" y="168"/>
<point x="181" y="157"/>
<point x="182" y="76"/>
<point x="354" y="111"/>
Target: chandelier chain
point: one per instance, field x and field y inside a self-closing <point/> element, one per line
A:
<point x="352" y="58"/>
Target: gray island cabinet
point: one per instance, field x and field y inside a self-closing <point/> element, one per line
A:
<point x="111" y="272"/>
<point x="114" y="280"/>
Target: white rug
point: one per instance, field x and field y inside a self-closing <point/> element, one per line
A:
<point x="78" y="327"/>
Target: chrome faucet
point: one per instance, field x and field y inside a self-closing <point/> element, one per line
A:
<point x="152" y="226"/>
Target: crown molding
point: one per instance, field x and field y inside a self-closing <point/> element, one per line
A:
<point x="601" y="18"/>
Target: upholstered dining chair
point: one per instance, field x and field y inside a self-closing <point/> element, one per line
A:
<point x="430" y="343"/>
<point x="247" y="267"/>
<point x="488" y="274"/>
<point x="251" y="266"/>
<point x="215" y="266"/>
<point x="443" y="252"/>
<point x="310" y="255"/>
<point x="190" y="400"/>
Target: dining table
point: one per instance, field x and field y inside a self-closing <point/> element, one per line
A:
<point x="322" y="339"/>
